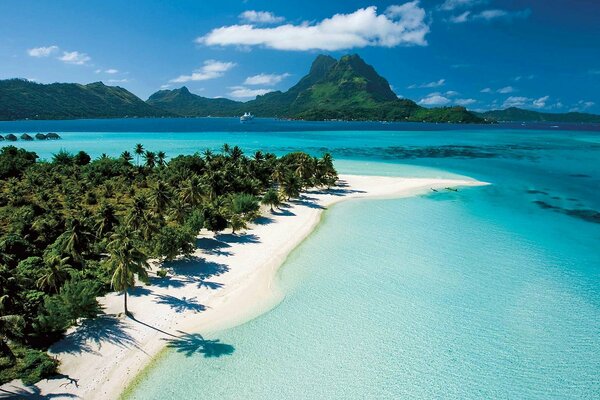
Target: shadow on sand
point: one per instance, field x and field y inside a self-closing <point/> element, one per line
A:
<point x="100" y="330"/>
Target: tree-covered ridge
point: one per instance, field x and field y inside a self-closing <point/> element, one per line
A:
<point x="515" y="114"/>
<point x="74" y="228"/>
<point x="22" y="99"/>
<point x="348" y="89"/>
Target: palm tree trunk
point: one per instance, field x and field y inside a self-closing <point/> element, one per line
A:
<point x="125" y="301"/>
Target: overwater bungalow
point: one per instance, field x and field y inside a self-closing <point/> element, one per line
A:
<point x="40" y="136"/>
<point x="52" y="136"/>
<point x="10" y="137"/>
<point x="26" y="137"/>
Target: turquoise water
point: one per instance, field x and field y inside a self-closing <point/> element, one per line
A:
<point x="491" y="292"/>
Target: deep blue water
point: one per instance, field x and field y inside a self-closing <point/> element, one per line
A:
<point x="491" y="292"/>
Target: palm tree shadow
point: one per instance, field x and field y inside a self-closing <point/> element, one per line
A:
<point x="196" y="267"/>
<point x="100" y="330"/>
<point x="180" y="304"/>
<point x="213" y="246"/>
<point x="32" y="392"/>
<point x="239" y="238"/>
<point x="194" y="343"/>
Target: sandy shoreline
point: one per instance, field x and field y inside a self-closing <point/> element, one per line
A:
<point x="229" y="281"/>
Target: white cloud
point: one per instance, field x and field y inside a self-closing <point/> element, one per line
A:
<point x="244" y="92"/>
<point x="118" y="80"/>
<point x="486" y="90"/>
<point x="460" y="18"/>
<point x="451" y="93"/>
<point x="42" y="51"/>
<point x="465" y="102"/>
<point x="211" y="69"/>
<point x="74" y="57"/>
<point x="488" y="15"/>
<point x="594" y="71"/>
<point x="541" y="102"/>
<point x="260" y="17"/>
<point x="515" y="101"/>
<point x="165" y="86"/>
<point x="112" y="71"/>
<point x="438" y="83"/>
<point x="506" y="89"/>
<point x="399" y="25"/>
<point x="265" y="79"/>
<point x="582" y="105"/>
<point x="450" y="5"/>
<point x="435" y="99"/>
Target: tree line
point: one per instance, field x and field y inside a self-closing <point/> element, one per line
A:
<point x="73" y="228"/>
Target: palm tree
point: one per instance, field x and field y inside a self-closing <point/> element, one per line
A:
<point x="126" y="156"/>
<point x="138" y="218"/>
<point x="279" y="174"/>
<point x="161" y="158"/>
<point x="208" y="155"/>
<point x="226" y="149"/>
<point x="107" y="220"/>
<point x="125" y="261"/>
<point x="291" y="186"/>
<point x="75" y="240"/>
<point x="160" y="197"/>
<point x="258" y="156"/>
<point x="11" y="326"/>
<point x="139" y="150"/>
<point x="237" y="222"/>
<point x="236" y="153"/>
<point x="271" y="198"/>
<point x="150" y="158"/>
<point x="57" y="271"/>
<point x="191" y="191"/>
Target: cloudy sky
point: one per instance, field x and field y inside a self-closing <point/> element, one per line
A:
<point x="483" y="54"/>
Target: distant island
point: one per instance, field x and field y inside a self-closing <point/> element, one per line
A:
<point x="344" y="89"/>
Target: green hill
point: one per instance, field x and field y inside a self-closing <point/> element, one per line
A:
<point x="348" y="89"/>
<point x="515" y="114"/>
<point x="22" y="99"/>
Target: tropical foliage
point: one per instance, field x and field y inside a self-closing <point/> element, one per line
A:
<point x="73" y="228"/>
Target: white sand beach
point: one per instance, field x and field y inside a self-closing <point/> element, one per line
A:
<point x="228" y="281"/>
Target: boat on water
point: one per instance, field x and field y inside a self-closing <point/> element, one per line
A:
<point x="246" y="117"/>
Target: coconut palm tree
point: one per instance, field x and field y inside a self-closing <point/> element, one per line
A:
<point x="126" y="156"/>
<point x="139" y="150"/>
<point x="160" y="197"/>
<point x="11" y="326"/>
<point x="191" y="191"/>
<point x="76" y="239"/>
<point x="258" y="156"/>
<point x="125" y="262"/>
<point x="226" y="149"/>
<point x="236" y="153"/>
<point x="237" y="222"/>
<point x="291" y="186"/>
<point x="56" y="273"/>
<point x="271" y="198"/>
<point x="208" y="155"/>
<point x="106" y="220"/>
<point x="150" y="158"/>
<point x="161" y="158"/>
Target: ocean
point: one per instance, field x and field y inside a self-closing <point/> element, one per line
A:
<point x="489" y="292"/>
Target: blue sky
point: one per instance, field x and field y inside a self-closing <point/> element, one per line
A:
<point x="483" y="54"/>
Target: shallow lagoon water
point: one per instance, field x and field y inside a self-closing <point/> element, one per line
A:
<point x="491" y="292"/>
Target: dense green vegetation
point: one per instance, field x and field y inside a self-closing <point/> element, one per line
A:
<point x="74" y="228"/>
<point x="22" y="99"/>
<point x="347" y="89"/>
<point x="519" y="115"/>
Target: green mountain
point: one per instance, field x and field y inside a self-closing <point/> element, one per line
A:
<point x="514" y="114"/>
<point x="22" y="99"/>
<point x="185" y="104"/>
<point x="348" y="89"/>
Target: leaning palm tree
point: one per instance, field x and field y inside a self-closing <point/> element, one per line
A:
<point x="161" y="158"/>
<point x="57" y="271"/>
<point x="271" y="198"/>
<point x="291" y="186"/>
<point x="160" y="197"/>
<point x="11" y="326"/>
<point x="150" y="159"/>
<point x="139" y="150"/>
<point x="191" y="191"/>
<point x="125" y="262"/>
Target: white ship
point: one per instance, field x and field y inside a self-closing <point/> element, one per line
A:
<point x="246" y="117"/>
